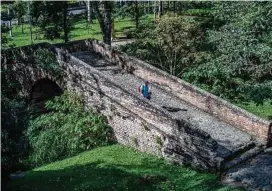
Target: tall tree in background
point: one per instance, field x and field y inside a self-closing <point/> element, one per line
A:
<point x="65" y="21"/>
<point x="30" y="20"/>
<point x="19" y="8"/>
<point x="10" y="16"/>
<point x="160" y="9"/>
<point x="132" y="9"/>
<point x="7" y="15"/>
<point x="168" y="44"/>
<point x="155" y="9"/>
<point x="104" y="18"/>
<point x="137" y="15"/>
<point x="52" y="17"/>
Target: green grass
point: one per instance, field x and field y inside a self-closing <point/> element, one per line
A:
<point x="264" y="111"/>
<point x="115" y="168"/>
<point x="80" y="31"/>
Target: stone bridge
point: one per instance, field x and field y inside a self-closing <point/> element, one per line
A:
<point x="181" y="122"/>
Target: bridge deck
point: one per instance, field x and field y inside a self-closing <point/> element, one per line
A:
<point x="228" y="137"/>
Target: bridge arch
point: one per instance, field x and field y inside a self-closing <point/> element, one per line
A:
<point x="43" y="90"/>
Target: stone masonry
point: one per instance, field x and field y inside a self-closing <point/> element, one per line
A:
<point x="205" y="132"/>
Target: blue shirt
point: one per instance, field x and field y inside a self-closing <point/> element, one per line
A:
<point x="145" y="90"/>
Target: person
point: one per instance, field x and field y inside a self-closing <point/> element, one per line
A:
<point x="145" y="90"/>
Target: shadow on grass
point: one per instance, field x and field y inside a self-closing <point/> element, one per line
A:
<point x="92" y="176"/>
<point x="102" y="176"/>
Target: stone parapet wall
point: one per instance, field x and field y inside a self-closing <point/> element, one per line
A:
<point x="259" y="128"/>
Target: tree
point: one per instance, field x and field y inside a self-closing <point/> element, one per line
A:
<point x="155" y="9"/>
<point x="137" y="15"/>
<point x="52" y="17"/>
<point x="168" y="44"/>
<point x="160" y="9"/>
<point x="7" y="14"/>
<point x="104" y="18"/>
<point x="65" y="22"/>
<point x="13" y="118"/>
<point x="4" y="38"/>
<point x="132" y="9"/>
<point x="19" y="8"/>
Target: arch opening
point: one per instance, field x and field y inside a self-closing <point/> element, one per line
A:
<point x="42" y="91"/>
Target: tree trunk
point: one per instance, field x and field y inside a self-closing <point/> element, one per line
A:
<point x="22" y="24"/>
<point x="89" y="12"/>
<point x="108" y="27"/>
<point x="136" y="14"/>
<point x="112" y="30"/>
<point x="65" y="23"/>
<point x="148" y="7"/>
<point x="19" y="20"/>
<point x="10" y="24"/>
<point x="10" y="28"/>
<point x="104" y="20"/>
<point x="174" y="6"/>
<point x="29" y="20"/>
<point x="155" y="9"/>
<point x="160" y="9"/>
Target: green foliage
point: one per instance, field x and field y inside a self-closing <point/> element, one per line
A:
<point x="66" y="130"/>
<point x="52" y="18"/>
<point x="46" y="59"/>
<point x="4" y="37"/>
<point x="197" y="12"/>
<point x="128" y="9"/>
<point x="116" y="167"/>
<point x="171" y="44"/>
<point x="241" y="66"/>
<point x="19" y="8"/>
<point x="13" y="122"/>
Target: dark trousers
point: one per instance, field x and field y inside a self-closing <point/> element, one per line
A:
<point x="148" y="96"/>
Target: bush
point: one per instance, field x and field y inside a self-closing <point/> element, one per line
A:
<point x="47" y="60"/>
<point x="66" y="130"/>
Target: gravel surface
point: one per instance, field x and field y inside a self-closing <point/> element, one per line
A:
<point x="255" y="174"/>
<point x="228" y="137"/>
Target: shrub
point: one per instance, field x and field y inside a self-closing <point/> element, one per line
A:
<point x="47" y="60"/>
<point x="66" y="130"/>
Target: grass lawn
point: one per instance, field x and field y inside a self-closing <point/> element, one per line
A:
<point x="80" y="31"/>
<point x="264" y="111"/>
<point x="115" y="168"/>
